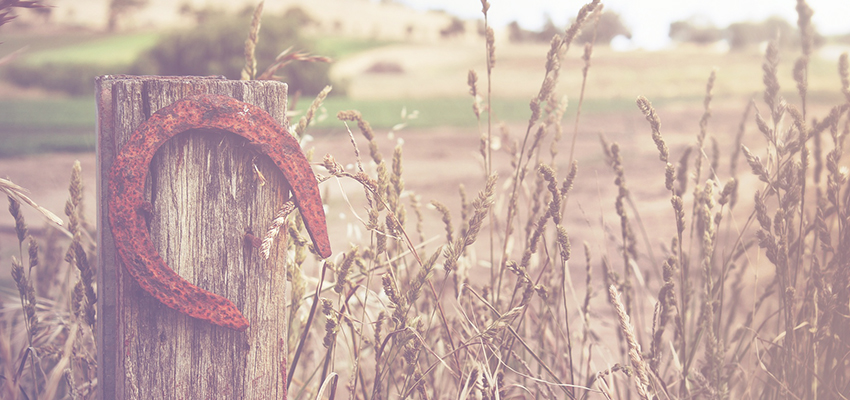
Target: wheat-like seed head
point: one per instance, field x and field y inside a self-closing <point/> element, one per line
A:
<point x="641" y="375"/>
<point x="311" y="111"/>
<point x="472" y="81"/>
<point x="447" y="218"/>
<point x="583" y="13"/>
<point x="417" y="210"/>
<point x="771" y="81"/>
<point x="274" y="229"/>
<point x="761" y="212"/>
<point x="87" y="280"/>
<point x="563" y="242"/>
<point x="679" y="209"/>
<point x="485" y="6"/>
<point x="365" y="129"/>
<point x="27" y="295"/>
<point x="804" y="22"/>
<point x="800" y="75"/>
<point x="18" y="194"/>
<point x="756" y="165"/>
<point x="490" y="37"/>
<point x="728" y="189"/>
<point x="682" y="172"/>
<point x="344" y="268"/>
<point x="20" y="223"/>
<point x="250" y="68"/>
<point x="845" y="75"/>
<point x="669" y="176"/>
<point x="666" y="304"/>
<point x="655" y="124"/>
<point x="331" y="323"/>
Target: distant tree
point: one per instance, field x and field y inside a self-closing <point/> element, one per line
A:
<point x="216" y="47"/>
<point x="548" y="31"/>
<point x="298" y="16"/>
<point x="743" y="34"/>
<point x="610" y="26"/>
<point x="740" y="35"/>
<point x="455" y="28"/>
<point x="118" y="8"/>
<point x="748" y="34"/>
<point x="517" y="34"/>
<point x="694" y="31"/>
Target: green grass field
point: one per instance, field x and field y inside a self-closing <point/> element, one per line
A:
<point x="35" y="126"/>
<point x="47" y="113"/>
<point x="68" y="124"/>
<point x="437" y="112"/>
<point x="45" y="125"/>
<point x="81" y="48"/>
<point x="108" y="50"/>
<point x="338" y="47"/>
<point x="27" y="142"/>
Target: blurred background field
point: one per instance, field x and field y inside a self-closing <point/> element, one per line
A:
<point x="388" y="58"/>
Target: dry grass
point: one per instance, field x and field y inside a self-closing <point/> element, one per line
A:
<point x="47" y="340"/>
<point x="747" y="299"/>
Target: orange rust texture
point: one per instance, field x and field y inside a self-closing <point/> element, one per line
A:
<point x="126" y="196"/>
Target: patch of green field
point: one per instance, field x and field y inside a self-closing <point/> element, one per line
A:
<point x="35" y="42"/>
<point x="102" y="50"/>
<point x="48" y="113"/>
<point x="338" y="47"/>
<point x="384" y="114"/>
<point x="35" y="126"/>
<point x="24" y="142"/>
<point x="46" y="125"/>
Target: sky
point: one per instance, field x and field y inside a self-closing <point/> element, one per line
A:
<point x="649" y="20"/>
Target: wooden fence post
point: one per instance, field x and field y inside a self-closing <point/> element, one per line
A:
<point x="205" y="197"/>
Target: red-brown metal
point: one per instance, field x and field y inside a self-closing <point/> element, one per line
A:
<point x="126" y="196"/>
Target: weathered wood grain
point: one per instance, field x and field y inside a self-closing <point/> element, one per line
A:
<point x="205" y="198"/>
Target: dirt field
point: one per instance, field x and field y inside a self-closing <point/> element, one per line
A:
<point x="437" y="161"/>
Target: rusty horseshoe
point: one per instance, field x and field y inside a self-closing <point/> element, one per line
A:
<point x="126" y="196"/>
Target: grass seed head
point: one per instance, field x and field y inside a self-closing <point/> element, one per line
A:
<point x="804" y="22"/>
<point x="669" y="176"/>
<point x="20" y="223"/>
<point x="250" y="68"/>
<point x="655" y="124"/>
<point x="844" y="73"/>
